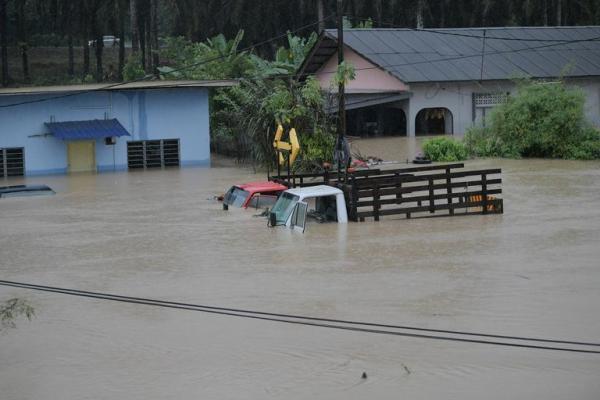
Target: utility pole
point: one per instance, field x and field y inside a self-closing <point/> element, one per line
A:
<point x="341" y="100"/>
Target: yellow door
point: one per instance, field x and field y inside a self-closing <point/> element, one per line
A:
<point x="81" y="155"/>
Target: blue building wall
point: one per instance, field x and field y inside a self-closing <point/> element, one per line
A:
<point x="166" y="113"/>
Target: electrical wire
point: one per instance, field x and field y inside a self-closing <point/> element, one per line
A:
<point x="146" y="77"/>
<point x="356" y="326"/>
<point x="283" y="76"/>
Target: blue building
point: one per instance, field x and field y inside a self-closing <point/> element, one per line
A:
<point x="61" y="129"/>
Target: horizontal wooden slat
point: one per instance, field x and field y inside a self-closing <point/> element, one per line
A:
<point x="420" y="178"/>
<point x="420" y="188"/>
<point x="411" y="210"/>
<point x="442" y="196"/>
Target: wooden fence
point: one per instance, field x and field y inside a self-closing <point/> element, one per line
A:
<point x="428" y="190"/>
<point x="410" y="194"/>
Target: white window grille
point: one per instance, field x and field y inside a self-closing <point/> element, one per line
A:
<point x="489" y="99"/>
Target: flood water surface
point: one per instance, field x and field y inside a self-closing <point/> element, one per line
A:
<point x="533" y="271"/>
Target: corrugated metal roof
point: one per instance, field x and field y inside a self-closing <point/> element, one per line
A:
<point x="117" y="86"/>
<point x="433" y="55"/>
<point x="94" y="129"/>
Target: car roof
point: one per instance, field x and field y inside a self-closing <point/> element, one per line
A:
<point x="315" y="191"/>
<point x="262" y="186"/>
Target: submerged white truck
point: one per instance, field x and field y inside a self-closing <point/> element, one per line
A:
<point x="324" y="203"/>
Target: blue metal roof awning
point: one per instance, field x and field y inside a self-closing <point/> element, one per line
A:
<point x="94" y="129"/>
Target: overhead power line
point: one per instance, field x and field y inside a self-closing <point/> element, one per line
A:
<point x="186" y="67"/>
<point x="451" y="58"/>
<point x="357" y="326"/>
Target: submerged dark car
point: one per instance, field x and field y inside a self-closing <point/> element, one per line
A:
<point x="25" y="190"/>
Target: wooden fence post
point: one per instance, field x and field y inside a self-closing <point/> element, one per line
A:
<point x="431" y="200"/>
<point x="484" y="197"/>
<point x="398" y="186"/>
<point x="449" y="190"/>
<point x="376" y="204"/>
<point x="354" y="204"/>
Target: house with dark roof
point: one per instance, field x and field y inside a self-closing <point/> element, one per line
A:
<point x="443" y="81"/>
<point x="105" y="127"/>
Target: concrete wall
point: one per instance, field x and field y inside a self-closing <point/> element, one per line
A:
<point x="368" y="77"/>
<point x="145" y="114"/>
<point x="457" y="97"/>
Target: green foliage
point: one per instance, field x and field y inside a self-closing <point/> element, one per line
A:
<point x="244" y="117"/>
<point x="11" y="310"/>
<point x="215" y="58"/>
<point x="133" y="68"/>
<point x="345" y="73"/>
<point x="444" y="149"/>
<point x="542" y="120"/>
<point x="316" y="149"/>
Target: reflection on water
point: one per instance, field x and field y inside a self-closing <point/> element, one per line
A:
<point x="532" y="271"/>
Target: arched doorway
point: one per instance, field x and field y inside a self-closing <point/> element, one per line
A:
<point x="434" y="121"/>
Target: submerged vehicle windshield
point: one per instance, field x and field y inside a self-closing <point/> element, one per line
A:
<point x="24" y="190"/>
<point x="236" y="197"/>
<point x="284" y="206"/>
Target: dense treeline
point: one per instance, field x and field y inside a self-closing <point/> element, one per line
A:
<point x="142" y="24"/>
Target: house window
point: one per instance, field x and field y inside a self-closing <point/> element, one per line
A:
<point x="483" y="101"/>
<point x="12" y="161"/>
<point x="153" y="153"/>
<point x="489" y="99"/>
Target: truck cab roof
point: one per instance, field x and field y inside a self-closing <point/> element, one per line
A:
<point x="315" y="191"/>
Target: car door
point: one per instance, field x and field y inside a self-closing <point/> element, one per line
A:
<point x="299" y="216"/>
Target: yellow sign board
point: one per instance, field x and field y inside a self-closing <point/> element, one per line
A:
<point x="292" y="147"/>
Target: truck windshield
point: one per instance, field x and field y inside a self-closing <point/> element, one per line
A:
<point x="236" y="197"/>
<point x="284" y="207"/>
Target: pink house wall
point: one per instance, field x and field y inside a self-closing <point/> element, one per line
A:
<point x="371" y="79"/>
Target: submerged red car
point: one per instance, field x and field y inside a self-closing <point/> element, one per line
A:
<point x="253" y="194"/>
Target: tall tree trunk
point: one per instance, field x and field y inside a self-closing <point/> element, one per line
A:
<point x="154" y="35"/>
<point x="98" y="46"/>
<point x="545" y="5"/>
<point x="321" y="15"/>
<point x="419" y="16"/>
<point x="379" y="13"/>
<point x="133" y="15"/>
<point x="85" y="31"/>
<point x="22" y="40"/>
<point x="25" y="63"/>
<point x="99" y="49"/>
<point x="558" y="12"/>
<point x="148" y="35"/>
<point x="71" y="54"/>
<point x="122" y="15"/>
<point x="142" y="38"/>
<point x="3" y="43"/>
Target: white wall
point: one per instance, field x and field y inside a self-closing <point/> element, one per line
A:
<point x="457" y="97"/>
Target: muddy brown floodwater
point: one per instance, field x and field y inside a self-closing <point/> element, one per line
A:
<point x="534" y="271"/>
